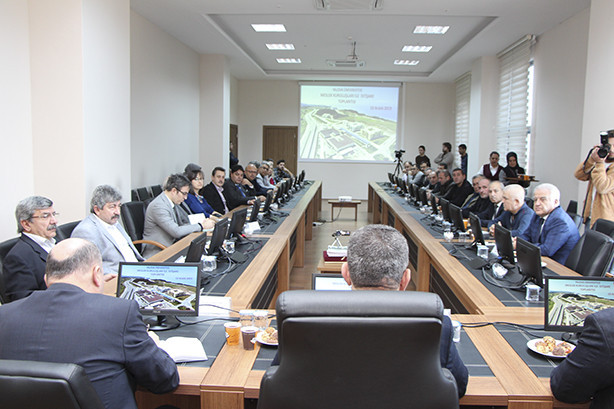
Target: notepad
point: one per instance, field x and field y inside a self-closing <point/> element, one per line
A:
<point x="184" y="349"/>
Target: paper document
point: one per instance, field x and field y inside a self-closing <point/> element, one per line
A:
<point x="183" y="349"/>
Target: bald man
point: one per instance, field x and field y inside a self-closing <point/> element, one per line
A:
<point x="73" y="322"/>
<point x="517" y="215"/>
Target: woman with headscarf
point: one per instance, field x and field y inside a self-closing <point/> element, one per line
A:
<point x="512" y="170"/>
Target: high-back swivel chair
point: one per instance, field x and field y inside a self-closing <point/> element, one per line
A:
<point x="592" y="255"/>
<point x="358" y="349"/>
<point x="133" y="217"/>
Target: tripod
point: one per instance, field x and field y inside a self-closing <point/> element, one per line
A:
<point x="399" y="168"/>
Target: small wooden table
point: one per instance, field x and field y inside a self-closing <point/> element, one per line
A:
<point x="329" y="267"/>
<point x="342" y="203"/>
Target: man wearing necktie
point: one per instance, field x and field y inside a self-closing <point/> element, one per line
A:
<point x="517" y="215"/>
<point x="101" y="227"/>
<point x="234" y="190"/>
<point x="551" y="228"/>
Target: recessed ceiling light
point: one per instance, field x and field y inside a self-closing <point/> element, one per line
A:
<point x="280" y="46"/>
<point x="289" y="60"/>
<point x="269" y="28"/>
<point x="406" y="62"/>
<point x="417" y="48"/>
<point x="431" y="29"/>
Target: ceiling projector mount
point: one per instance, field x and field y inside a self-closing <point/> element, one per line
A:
<point x="351" y="61"/>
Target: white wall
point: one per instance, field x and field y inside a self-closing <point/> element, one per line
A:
<point x="16" y="162"/>
<point x="164" y="101"/>
<point x="560" y="69"/>
<point x="428" y="118"/>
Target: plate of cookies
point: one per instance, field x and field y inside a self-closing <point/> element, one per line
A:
<point x="550" y="347"/>
<point x="268" y="337"/>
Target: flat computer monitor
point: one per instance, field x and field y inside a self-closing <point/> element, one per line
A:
<point x="529" y="261"/>
<point x="413" y="191"/>
<point x="302" y="176"/>
<point x="434" y="204"/>
<point x="253" y="216"/>
<point x="268" y="201"/>
<point x="279" y="196"/>
<point x="570" y="299"/>
<point x="456" y="215"/>
<point x="476" y="229"/>
<point x="161" y="289"/>
<point x="329" y="282"/>
<point x="217" y="238"/>
<point x="445" y="209"/>
<point x="391" y="178"/>
<point x="423" y="197"/>
<point x="503" y="241"/>
<point x="236" y="223"/>
<point x="196" y="249"/>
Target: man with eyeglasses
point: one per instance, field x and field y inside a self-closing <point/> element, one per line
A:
<point x="165" y="220"/>
<point x="24" y="265"/>
<point x="101" y="227"/>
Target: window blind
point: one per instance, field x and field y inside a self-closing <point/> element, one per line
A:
<point x="463" y="95"/>
<point x="512" y="128"/>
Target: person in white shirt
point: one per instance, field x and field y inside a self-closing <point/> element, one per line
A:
<point x="24" y="265"/>
<point x="101" y="227"/>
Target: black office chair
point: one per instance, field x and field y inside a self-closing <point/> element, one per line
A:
<point x="577" y="219"/>
<point x="358" y="349"/>
<point x="5" y="247"/>
<point x="572" y="207"/>
<point x="46" y="385"/>
<point x="529" y="202"/>
<point x="156" y="190"/>
<point x="143" y="193"/>
<point x="604" y="226"/>
<point x="134" y="196"/>
<point x="133" y="217"/>
<point x="592" y="255"/>
<point x="64" y="231"/>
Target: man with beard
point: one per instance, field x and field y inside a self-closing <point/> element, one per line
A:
<point x="445" y="157"/>
<point x="101" y="227"/>
<point x="600" y="176"/>
<point x="460" y="189"/>
<point x="24" y="265"/>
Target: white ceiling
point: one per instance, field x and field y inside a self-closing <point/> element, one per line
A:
<point x="477" y="28"/>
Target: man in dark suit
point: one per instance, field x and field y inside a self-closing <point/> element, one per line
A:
<point x="251" y="174"/>
<point x="24" y="264"/>
<point x="73" y="322"/>
<point x="482" y="201"/>
<point x="517" y="215"/>
<point x="213" y="192"/>
<point x="234" y="190"/>
<point x="460" y="189"/>
<point x="551" y="228"/>
<point x="495" y="208"/>
<point x="377" y="260"/>
<point x="588" y="371"/>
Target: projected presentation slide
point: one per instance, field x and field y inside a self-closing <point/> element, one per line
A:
<point x="354" y="123"/>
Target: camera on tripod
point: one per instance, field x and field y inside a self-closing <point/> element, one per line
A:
<point x="399" y="154"/>
<point x="604" y="149"/>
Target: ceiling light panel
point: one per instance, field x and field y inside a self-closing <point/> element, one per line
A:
<point x="275" y="47"/>
<point x="417" y="48"/>
<point x="406" y="62"/>
<point x="269" y="28"/>
<point x="431" y="29"/>
<point x="289" y="60"/>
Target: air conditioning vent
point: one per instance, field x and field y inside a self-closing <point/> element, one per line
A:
<point x="346" y="63"/>
<point x="346" y="5"/>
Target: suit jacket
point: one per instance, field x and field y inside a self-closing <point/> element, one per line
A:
<point x="212" y="197"/>
<point x="588" y="372"/>
<point x="489" y="213"/>
<point x="104" y="335"/>
<point x="477" y="207"/>
<point x="258" y="190"/>
<point x="558" y="236"/>
<point x="517" y="223"/>
<point x="233" y="196"/>
<point x="92" y="229"/>
<point x="164" y="225"/>
<point x="457" y="194"/>
<point x="24" y="268"/>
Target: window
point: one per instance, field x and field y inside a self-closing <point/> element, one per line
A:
<point x="513" y="130"/>
<point x="463" y="92"/>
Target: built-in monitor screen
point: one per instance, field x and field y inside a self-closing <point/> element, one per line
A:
<point x="196" y="249"/>
<point x="445" y="209"/>
<point x="503" y="240"/>
<point x="253" y="216"/>
<point x="476" y="228"/>
<point x="236" y="223"/>
<point x="529" y="261"/>
<point x="434" y="204"/>
<point x="267" y="202"/>
<point x="423" y="197"/>
<point x="302" y="176"/>
<point x="569" y="300"/>
<point x="218" y="236"/>
<point x="329" y="282"/>
<point x="161" y="288"/>
<point x="456" y="215"/>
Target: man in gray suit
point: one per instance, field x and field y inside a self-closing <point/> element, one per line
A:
<point x="165" y="220"/>
<point x="101" y="227"/>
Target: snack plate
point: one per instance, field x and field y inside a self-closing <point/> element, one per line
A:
<point x="259" y="339"/>
<point x="531" y="345"/>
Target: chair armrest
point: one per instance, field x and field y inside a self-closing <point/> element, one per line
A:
<point x="153" y="243"/>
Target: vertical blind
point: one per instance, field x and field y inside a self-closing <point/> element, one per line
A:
<point x="512" y="128"/>
<point x="463" y="95"/>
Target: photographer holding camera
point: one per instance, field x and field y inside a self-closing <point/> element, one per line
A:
<point x="597" y="171"/>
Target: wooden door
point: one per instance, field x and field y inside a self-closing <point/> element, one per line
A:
<point x="281" y="142"/>
<point x="234" y="139"/>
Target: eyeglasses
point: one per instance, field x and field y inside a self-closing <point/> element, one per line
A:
<point x="199" y="179"/>
<point x="185" y="194"/>
<point x="45" y="215"/>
